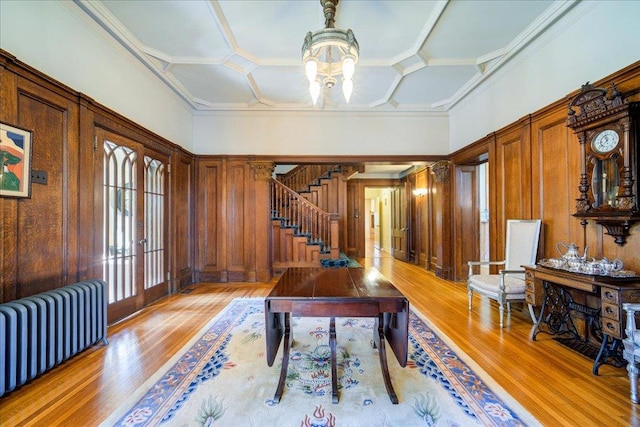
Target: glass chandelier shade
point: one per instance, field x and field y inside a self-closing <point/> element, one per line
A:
<point x="328" y="53"/>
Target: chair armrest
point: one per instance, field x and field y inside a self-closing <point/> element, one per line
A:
<point x="631" y="306"/>
<point x="503" y="272"/>
<point x="630" y="329"/>
<point x="470" y="263"/>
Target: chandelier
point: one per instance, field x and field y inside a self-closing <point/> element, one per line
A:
<point x="328" y="53"/>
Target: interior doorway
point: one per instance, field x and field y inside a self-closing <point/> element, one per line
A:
<point x="483" y="206"/>
<point x="377" y="222"/>
<point x="471" y="217"/>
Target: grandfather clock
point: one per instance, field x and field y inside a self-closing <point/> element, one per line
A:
<point x="607" y="127"/>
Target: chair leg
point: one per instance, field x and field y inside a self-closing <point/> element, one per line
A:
<point x="470" y="292"/>
<point x="502" y="315"/>
<point x="633" y="380"/>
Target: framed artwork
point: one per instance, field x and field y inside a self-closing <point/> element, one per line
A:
<point x="15" y="161"/>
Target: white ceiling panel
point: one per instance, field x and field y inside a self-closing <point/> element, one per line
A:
<point x="175" y="28"/>
<point x="470" y="29"/>
<point x="246" y="54"/>
<point x="433" y="84"/>
<point x="206" y="82"/>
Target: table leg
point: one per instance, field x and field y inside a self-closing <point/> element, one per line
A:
<point x="334" y="365"/>
<point x="285" y="357"/>
<point x="378" y="340"/>
<point x="555" y="314"/>
<point x="609" y="349"/>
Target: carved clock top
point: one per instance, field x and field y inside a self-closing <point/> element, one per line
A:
<point x="593" y="104"/>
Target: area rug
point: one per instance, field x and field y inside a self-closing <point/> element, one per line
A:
<point x="342" y="261"/>
<point x="221" y="378"/>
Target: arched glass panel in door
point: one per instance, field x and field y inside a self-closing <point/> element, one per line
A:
<point x="154" y="200"/>
<point x="120" y="190"/>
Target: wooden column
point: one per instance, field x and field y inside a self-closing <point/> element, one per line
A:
<point x="262" y="177"/>
<point x="441" y="201"/>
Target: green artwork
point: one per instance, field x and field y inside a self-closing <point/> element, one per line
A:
<point x="8" y="180"/>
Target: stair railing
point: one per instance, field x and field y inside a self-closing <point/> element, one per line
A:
<point x="300" y="177"/>
<point x="320" y="227"/>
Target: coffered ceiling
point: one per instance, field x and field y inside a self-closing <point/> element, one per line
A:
<point x="243" y="55"/>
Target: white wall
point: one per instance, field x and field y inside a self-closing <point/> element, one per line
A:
<point x="313" y="133"/>
<point x="58" y="40"/>
<point x="594" y="40"/>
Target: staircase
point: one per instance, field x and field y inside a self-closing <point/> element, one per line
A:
<point x="307" y="210"/>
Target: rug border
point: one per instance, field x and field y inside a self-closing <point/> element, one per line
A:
<point x="522" y="412"/>
<point x="144" y="387"/>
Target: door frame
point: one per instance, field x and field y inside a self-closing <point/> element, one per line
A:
<point x="127" y="306"/>
<point x="162" y="289"/>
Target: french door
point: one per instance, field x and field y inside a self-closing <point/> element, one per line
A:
<point x="134" y="227"/>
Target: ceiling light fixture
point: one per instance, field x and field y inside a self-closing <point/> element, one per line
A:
<point x="328" y="53"/>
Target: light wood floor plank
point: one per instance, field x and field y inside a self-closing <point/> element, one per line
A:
<point x="554" y="383"/>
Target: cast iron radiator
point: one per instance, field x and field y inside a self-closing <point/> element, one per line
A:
<point x="43" y="330"/>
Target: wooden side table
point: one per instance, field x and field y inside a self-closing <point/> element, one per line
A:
<point x="338" y="292"/>
<point x="550" y="289"/>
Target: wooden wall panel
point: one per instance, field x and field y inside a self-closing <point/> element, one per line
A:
<point x="90" y="245"/>
<point x="261" y="269"/>
<point x="467" y="219"/>
<point x="440" y="220"/>
<point x="235" y="226"/>
<point x="210" y="248"/>
<point x="513" y="180"/>
<point x="183" y="204"/>
<point x="51" y="213"/>
<point x="8" y="207"/>
<point x="355" y="235"/>
<point x="41" y="267"/>
<point x="419" y="228"/>
<point x="55" y="237"/>
<point x="556" y="172"/>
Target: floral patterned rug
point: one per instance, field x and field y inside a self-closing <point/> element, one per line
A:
<point x="221" y="378"/>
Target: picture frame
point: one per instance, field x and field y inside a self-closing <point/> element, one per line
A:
<point x="15" y="161"/>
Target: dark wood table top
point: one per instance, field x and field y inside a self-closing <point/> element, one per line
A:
<point x="334" y="284"/>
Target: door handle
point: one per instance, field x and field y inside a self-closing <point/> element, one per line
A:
<point x="142" y="241"/>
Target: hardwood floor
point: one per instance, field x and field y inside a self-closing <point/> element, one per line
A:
<point x="554" y="383"/>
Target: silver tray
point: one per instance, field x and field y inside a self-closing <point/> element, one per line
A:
<point x="558" y="264"/>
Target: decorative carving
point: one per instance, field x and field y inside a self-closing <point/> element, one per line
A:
<point x="263" y="171"/>
<point x="605" y="123"/>
<point x="593" y="104"/>
<point x="441" y="170"/>
<point x="619" y="230"/>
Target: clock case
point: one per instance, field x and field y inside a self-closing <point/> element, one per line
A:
<point x="591" y="112"/>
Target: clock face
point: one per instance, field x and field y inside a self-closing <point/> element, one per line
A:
<point x="605" y="141"/>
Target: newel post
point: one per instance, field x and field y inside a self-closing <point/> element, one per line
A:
<point x="334" y="228"/>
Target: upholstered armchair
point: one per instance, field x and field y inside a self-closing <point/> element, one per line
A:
<point x="631" y="351"/>
<point x="508" y="285"/>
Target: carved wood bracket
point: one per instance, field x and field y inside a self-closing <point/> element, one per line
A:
<point x="441" y="170"/>
<point x="263" y="171"/>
